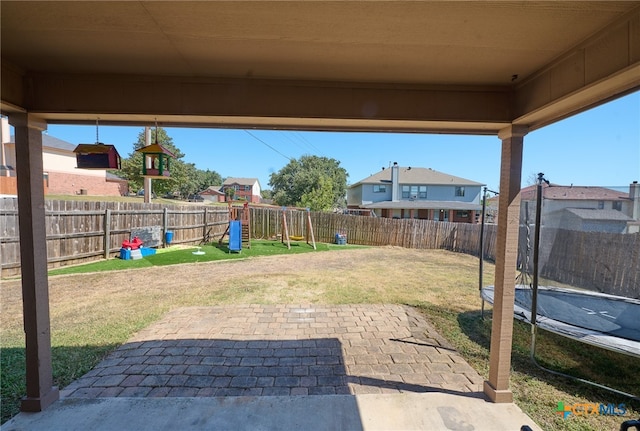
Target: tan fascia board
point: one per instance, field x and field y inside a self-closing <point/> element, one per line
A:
<point x="603" y="67"/>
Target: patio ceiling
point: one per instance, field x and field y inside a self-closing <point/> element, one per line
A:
<point x="472" y="67"/>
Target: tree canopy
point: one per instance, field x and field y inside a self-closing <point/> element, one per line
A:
<point x="185" y="178"/>
<point x="315" y="182"/>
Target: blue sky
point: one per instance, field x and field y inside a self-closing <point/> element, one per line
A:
<point x="598" y="147"/>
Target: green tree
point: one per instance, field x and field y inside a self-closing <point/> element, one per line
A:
<point x="208" y="178"/>
<point x="266" y="194"/>
<point x="319" y="198"/>
<point x="230" y="193"/>
<point x="185" y="178"/>
<point x="307" y="180"/>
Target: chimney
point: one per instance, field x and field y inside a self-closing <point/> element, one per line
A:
<point x="634" y="195"/>
<point x="394" y="182"/>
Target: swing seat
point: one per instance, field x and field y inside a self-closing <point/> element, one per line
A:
<point x="296" y="238"/>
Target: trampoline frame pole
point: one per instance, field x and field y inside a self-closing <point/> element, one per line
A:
<point x="536" y="250"/>
<point x="484" y="206"/>
<point x="481" y="263"/>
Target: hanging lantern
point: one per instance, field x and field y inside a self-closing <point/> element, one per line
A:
<point x="97" y="156"/>
<point x="158" y="157"/>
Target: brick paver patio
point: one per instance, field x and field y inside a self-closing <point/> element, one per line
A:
<point x="258" y="350"/>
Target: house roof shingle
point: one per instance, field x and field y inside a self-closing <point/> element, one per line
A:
<point x="557" y="192"/>
<point x="51" y="142"/>
<point x="212" y="190"/>
<point x="113" y="177"/>
<point x="411" y="175"/>
<point x="594" y="214"/>
<point x="240" y="181"/>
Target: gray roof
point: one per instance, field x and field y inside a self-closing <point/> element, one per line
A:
<point x="212" y="190"/>
<point x="582" y="193"/>
<point x="412" y="175"/>
<point x="594" y="214"/>
<point x="423" y="205"/>
<point x="114" y="177"/>
<point x="51" y="142"/>
<point x="240" y="181"/>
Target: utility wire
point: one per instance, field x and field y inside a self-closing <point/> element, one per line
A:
<point x="260" y="140"/>
<point x="293" y="141"/>
<point x="301" y="136"/>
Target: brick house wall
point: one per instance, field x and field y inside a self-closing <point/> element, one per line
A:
<point x="247" y="195"/>
<point x="63" y="183"/>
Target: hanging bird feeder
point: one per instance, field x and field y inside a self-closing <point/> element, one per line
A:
<point x="158" y="158"/>
<point x="97" y="156"/>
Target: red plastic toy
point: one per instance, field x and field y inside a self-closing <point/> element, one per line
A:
<point x="134" y="244"/>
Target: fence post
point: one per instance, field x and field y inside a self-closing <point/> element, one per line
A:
<point x="204" y="227"/>
<point x="107" y="232"/>
<point x="165" y="219"/>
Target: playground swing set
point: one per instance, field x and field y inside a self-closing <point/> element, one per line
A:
<point x="308" y="235"/>
<point x="239" y="227"/>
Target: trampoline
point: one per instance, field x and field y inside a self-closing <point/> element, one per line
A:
<point x="603" y="320"/>
<point x="607" y="321"/>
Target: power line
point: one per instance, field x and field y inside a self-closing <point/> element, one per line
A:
<point x="260" y="140"/>
<point x="302" y="137"/>
<point x="294" y="142"/>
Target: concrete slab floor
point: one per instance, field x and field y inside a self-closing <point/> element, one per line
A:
<point x="427" y="411"/>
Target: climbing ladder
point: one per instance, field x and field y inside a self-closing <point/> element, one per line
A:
<point x="245" y="222"/>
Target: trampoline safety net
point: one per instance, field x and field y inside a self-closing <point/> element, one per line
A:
<point x="588" y="259"/>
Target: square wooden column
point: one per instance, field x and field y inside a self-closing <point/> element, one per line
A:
<point x="497" y="387"/>
<point x="33" y="260"/>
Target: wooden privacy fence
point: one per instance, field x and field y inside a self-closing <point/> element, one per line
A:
<point x="79" y="231"/>
<point x="376" y="231"/>
<point x="605" y="262"/>
<point x="83" y="231"/>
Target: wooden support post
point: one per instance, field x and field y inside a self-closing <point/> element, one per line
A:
<point x="204" y="226"/>
<point x="33" y="260"/>
<point x="310" y="229"/>
<point x="285" y="229"/>
<point x="107" y="232"/>
<point x="497" y="387"/>
<point x="147" y="164"/>
<point x="165" y="226"/>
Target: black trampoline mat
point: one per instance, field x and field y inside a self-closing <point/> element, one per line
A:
<point x="610" y="315"/>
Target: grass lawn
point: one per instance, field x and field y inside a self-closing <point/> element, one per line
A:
<point x="185" y="254"/>
<point x="93" y="312"/>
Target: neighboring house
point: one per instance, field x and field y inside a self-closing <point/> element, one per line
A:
<point x="408" y="192"/>
<point x="213" y="194"/>
<point x="592" y="209"/>
<point x="244" y="188"/>
<point x="61" y="176"/>
<point x="123" y="185"/>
